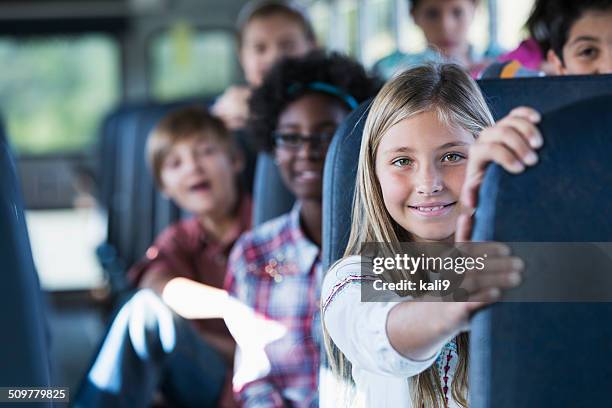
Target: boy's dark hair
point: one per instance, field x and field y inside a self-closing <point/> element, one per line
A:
<point x="265" y="8"/>
<point x="291" y="74"/>
<point x="180" y="125"/>
<point x="538" y="24"/>
<point x="563" y="16"/>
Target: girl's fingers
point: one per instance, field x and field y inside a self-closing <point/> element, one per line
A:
<point x="471" y="185"/>
<point x="500" y="280"/>
<point x="490" y="249"/>
<point x="524" y="120"/>
<point x="495" y="264"/>
<point x="518" y="142"/>
<point x="480" y="156"/>
<point x="485" y="297"/>
<point x="515" y="128"/>
<point x="499" y="153"/>
<point x="502" y="273"/>
<point x="528" y="113"/>
<point x="464" y="228"/>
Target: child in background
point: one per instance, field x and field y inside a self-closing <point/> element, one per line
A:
<point x="581" y="37"/>
<point x="573" y="38"/>
<point x="276" y="268"/>
<point x="267" y="31"/>
<point x="429" y="134"/>
<point x="445" y="24"/>
<point x="196" y="163"/>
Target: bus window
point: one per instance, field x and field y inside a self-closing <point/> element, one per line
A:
<point x="320" y="14"/>
<point x="510" y="27"/>
<point x="187" y="62"/>
<point x="345" y="20"/>
<point x="55" y="91"/>
<point x="378" y="37"/>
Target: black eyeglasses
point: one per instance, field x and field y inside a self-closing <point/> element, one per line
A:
<point x="297" y="140"/>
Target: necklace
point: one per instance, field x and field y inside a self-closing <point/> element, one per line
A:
<point x="443" y="364"/>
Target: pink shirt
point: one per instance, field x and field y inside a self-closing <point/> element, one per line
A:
<point x="528" y="53"/>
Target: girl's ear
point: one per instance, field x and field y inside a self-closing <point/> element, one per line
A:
<point x="555" y="63"/>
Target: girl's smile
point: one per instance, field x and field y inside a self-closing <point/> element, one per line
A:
<point x="431" y="210"/>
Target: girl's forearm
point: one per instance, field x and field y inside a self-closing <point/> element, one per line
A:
<point x="419" y="329"/>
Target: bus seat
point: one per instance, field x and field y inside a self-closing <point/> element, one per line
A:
<point x="542" y="354"/>
<point x="270" y="196"/>
<point x="24" y="351"/>
<point x="502" y="95"/>
<point x="544" y="94"/>
<point x="339" y="184"/>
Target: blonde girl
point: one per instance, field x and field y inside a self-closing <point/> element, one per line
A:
<point x="413" y="165"/>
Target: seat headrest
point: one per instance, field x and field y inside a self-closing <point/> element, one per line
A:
<point x="270" y="196"/>
<point x="339" y="183"/>
<point x="567" y="196"/>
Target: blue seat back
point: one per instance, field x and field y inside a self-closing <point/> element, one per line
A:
<point x="24" y="350"/>
<point x="270" y="196"/>
<point x="548" y="354"/>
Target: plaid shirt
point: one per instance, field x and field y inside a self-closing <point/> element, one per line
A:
<point x="276" y="271"/>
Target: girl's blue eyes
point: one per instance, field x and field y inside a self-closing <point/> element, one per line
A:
<point x="447" y="158"/>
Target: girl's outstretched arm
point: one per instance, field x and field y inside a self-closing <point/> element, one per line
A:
<point x="419" y="329"/>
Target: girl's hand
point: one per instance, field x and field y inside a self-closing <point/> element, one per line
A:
<point x="450" y="315"/>
<point x="232" y="107"/>
<point x="512" y="144"/>
<point x="483" y="287"/>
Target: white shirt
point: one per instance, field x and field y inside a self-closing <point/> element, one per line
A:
<point x="359" y="330"/>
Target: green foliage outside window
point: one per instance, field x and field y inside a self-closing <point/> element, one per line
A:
<point x="186" y="62"/>
<point x="55" y="91"/>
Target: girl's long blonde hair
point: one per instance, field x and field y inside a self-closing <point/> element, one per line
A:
<point x="450" y="92"/>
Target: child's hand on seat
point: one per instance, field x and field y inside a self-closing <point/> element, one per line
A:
<point x="501" y="272"/>
<point x="232" y="107"/>
<point x="512" y="143"/>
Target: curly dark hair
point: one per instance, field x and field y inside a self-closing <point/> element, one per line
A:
<point x="280" y="84"/>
